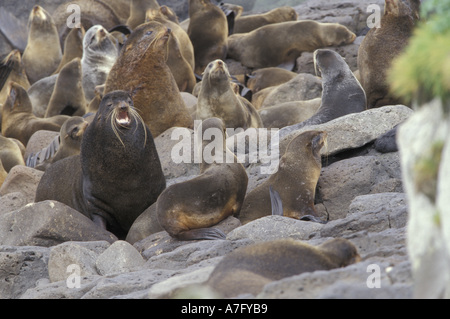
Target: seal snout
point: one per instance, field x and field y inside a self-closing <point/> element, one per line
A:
<point x="123" y="115"/>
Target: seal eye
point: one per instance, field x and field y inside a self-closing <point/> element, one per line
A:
<point x="149" y="33"/>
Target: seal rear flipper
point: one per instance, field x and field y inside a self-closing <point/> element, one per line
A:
<point x="277" y="204"/>
<point x="201" y="234"/>
<point x="311" y="218"/>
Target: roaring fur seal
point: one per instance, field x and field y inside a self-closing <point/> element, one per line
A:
<point x="248" y="269"/>
<point x="141" y="69"/>
<point x="268" y="77"/>
<point x="66" y="144"/>
<point x="295" y="181"/>
<point x="43" y="53"/>
<point x="378" y="49"/>
<point x="217" y="98"/>
<point x="68" y="95"/>
<point x="100" y="52"/>
<point x="186" y="210"/>
<point x="248" y="23"/>
<point x="342" y="93"/>
<point x="114" y="186"/>
<point x="282" y="43"/>
<point x="138" y="9"/>
<point x="18" y="120"/>
<point x="73" y="47"/>
<point x="208" y="31"/>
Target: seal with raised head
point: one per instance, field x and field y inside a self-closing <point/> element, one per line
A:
<point x="12" y="70"/>
<point x="217" y="98"/>
<point x="66" y="144"/>
<point x="342" y="93"/>
<point x="115" y="185"/>
<point x="248" y="23"/>
<point x="208" y="31"/>
<point x="68" y="96"/>
<point x="100" y="52"/>
<point x="282" y="43"/>
<point x="248" y="269"/>
<point x="141" y="70"/>
<point x="187" y="210"/>
<point x="73" y="47"/>
<point x="18" y="120"/>
<point x="43" y="53"/>
<point x="379" y="48"/>
<point x="295" y="181"/>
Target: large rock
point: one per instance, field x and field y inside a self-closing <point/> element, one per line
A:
<point x="47" y="224"/>
<point x="118" y="258"/>
<point x="22" y="179"/>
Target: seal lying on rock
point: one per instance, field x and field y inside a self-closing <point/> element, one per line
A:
<point x="118" y="173"/>
<point x="248" y="269"/>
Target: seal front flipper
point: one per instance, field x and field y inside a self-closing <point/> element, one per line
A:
<point x="201" y="234"/>
<point x="277" y="204"/>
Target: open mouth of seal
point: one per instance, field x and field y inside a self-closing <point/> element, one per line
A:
<point x="123" y="117"/>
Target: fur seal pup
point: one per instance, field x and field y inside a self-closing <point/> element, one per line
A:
<point x="10" y="153"/>
<point x="248" y="269"/>
<point x="12" y="70"/>
<point x="248" y="23"/>
<point x="141" y="69"/>
<point x="73" y="47"/>
<point x="66" y="144"/>
<point x="217" y="98"/>
<point x="208" y="31"/>
<point x="186" y="210"/>
<point x="18" y="120"/>
<point x="68" y="95"/>
<point x="379" y="48"/>
<point x="114" y="186"/>
<point x="268" y="77"/>
<point x="100" y="52"/>
<point x="43" y="53"/>
<point x="295" y="181"/>
<point x="282" y="43"/>
<point x="138" y="10"/>
<point x="342" y="93"/>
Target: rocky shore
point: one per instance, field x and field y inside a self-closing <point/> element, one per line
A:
<point x="360" y="193"/>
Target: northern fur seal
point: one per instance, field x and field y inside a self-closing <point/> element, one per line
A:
<point x="186" y="210"/>
<point x="68" y="95"/>
<point x="342" y="94"/>
<point x="248" y="23"/>
<point x="141" y="69"/>
<point x="208" y="31"/>
<point x="282" y="43"/>
<point x="248" y="269"/>
<point x="43" y="53"/>
<point x="138" y="9"/>
<point x="12" y="70"/>
<point x="295" y="181"/>
<point x="73" y="47"/>
<point x="66" y="144"/>
<point x="18" y="120"/>
<point x="115" y="185"/>
<point x="100" y="52"/>
<point x="217" y="98"/>
<point x="378" y="49"/>
<point x="268" y="77"/>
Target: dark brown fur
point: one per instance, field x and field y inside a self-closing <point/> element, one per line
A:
<point x="380" y="47"/>
<point x="208" y="31"/>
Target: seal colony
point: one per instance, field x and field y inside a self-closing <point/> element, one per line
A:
<point x="106" y="165"/>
